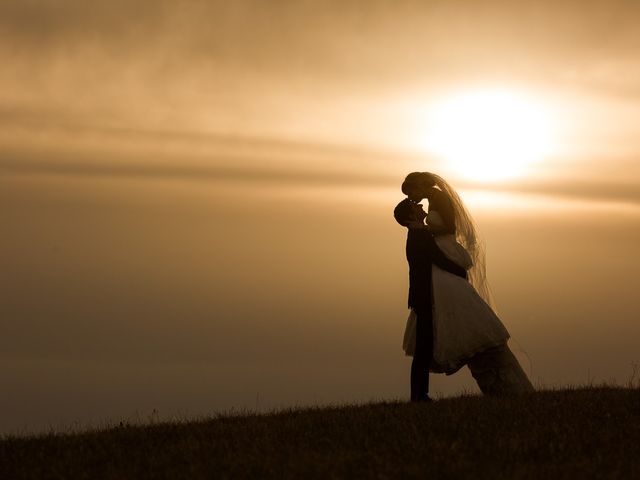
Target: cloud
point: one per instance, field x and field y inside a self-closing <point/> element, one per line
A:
<point x="313" y="72"/>
<point x="340" y="46"/>
<point x="273" y="165"/>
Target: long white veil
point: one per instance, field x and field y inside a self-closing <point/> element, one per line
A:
<point x="467" y="236"/>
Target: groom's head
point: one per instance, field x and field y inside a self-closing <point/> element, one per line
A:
<point x="408" y="212"/>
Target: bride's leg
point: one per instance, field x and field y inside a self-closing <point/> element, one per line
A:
<point x="498" y="372"/>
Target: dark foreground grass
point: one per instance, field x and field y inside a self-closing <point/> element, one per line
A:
<point x="576" y="433"/>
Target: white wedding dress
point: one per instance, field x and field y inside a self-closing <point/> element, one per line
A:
<point x="463" y="323"/>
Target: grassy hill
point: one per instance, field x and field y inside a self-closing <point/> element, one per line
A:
<point x="576" y="433"/>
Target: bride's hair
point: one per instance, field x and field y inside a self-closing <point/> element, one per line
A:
<point x="466" y="231"/>
<point x="416" y="180"/>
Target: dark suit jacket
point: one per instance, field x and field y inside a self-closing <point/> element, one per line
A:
<point x="422" y="253"/>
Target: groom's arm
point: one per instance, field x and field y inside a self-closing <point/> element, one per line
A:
<point x="425" y="251"/>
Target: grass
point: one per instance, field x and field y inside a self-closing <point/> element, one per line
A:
<point x="591" y="432"/>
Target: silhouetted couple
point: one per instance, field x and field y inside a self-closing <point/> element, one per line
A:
<point x="451" y="322"/>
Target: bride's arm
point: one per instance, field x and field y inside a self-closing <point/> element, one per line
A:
<point x="425" y="248"/>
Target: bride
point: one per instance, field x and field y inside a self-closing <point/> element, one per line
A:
<point x="463" y="321"/>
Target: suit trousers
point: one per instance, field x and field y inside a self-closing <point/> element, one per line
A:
<point x="423" y="355"/>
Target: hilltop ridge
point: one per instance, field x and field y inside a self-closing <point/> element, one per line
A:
<point x="590" y="432"/>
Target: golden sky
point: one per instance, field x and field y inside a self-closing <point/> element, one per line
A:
<point x="196" y="195"/>
<point x="357" y="74"/>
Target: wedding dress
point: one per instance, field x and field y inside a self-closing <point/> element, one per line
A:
<point x="463" y="323"/>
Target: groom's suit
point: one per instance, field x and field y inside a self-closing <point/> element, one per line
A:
<point x="422" y="253"/>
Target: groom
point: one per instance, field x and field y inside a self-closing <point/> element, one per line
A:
<point x="422" y="253"/>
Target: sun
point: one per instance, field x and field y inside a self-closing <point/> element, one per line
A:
<point x="489" y="135"/>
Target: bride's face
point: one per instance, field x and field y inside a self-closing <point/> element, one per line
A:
<point x="419" y="190"/>
<point x="416" y="192"/>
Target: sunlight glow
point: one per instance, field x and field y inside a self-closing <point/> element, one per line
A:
<point x="489" y="135"/>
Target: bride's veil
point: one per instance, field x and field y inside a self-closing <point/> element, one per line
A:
<point x="467" y="236"/>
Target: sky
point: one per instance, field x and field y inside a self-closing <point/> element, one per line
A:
<point x="196" y="197"/>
